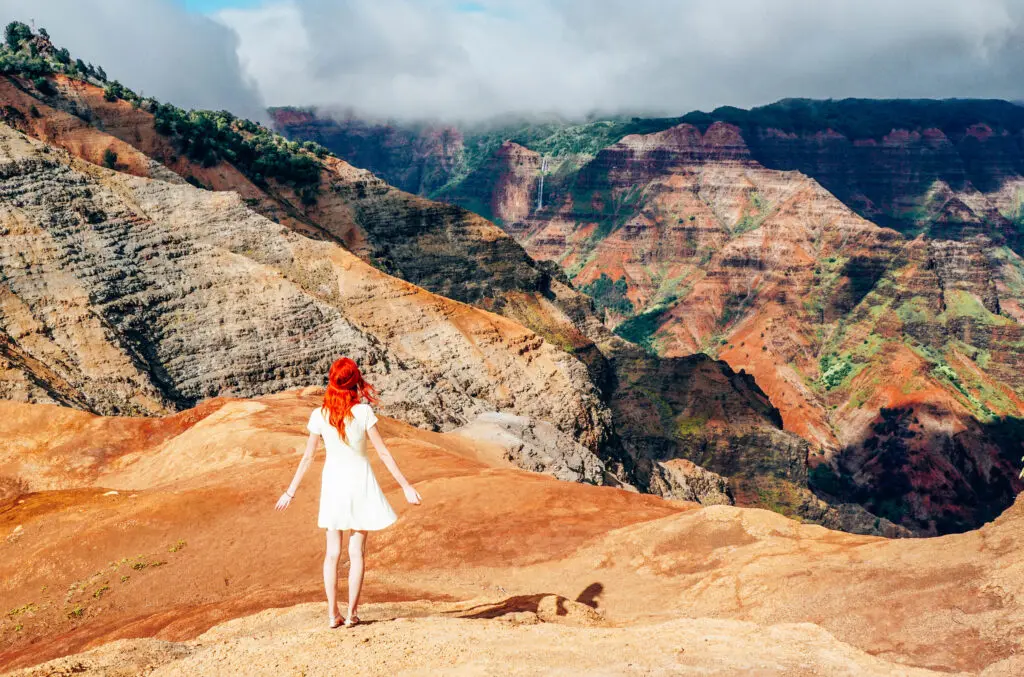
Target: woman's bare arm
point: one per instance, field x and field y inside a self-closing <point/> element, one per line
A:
<point x="307" y="459"/>
<point x="411" y="494"/>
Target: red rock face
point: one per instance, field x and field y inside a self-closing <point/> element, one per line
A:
<point x="772" y="273"/>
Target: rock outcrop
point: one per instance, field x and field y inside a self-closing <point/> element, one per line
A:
<point x="537" y="446"/>
<point x="686" y="481"/>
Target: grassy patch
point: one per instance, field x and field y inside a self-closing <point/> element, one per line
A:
<point x="642" y="328"/>
<point x="752" y="221"/>
<point x="31" y="607"/>
<point x="834" y="370"/>
<point x="964" y="304"/>
<point x="914" y="310"/>
<point x="692" y="425"/>
<point x="610" y="295"/>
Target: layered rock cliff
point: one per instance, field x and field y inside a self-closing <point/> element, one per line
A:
<point x="887" y="159"/>
<point x="142" y="296"/>
<point x="442" y="248"/>
<point x="688" y="243"/>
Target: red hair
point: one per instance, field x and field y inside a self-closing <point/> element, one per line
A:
<point x="345" y="388"/>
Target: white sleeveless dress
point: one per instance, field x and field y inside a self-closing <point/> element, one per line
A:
<point x="350" y="497"/>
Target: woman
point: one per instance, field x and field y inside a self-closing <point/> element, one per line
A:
<point x="350" y="497"/>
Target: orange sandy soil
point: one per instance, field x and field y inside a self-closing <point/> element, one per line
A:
<point x="498" y="568"/>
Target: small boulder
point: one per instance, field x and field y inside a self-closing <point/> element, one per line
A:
<point x="686" y="481"/>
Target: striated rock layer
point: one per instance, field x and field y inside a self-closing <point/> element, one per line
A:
<point x="158" y="532"/>
<point x="135" y="295"/>
<point x="442" y="248"/>
<point x="688" y="243"/>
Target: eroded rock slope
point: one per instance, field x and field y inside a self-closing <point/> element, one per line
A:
<point x="126" y="294"/>
<point x="493" y="556"/>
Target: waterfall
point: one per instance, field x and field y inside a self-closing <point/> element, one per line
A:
<point x="540" y="186"/>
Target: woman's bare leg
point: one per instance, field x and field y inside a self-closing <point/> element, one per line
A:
<point x="356" y="540"/>
<point x="331" y="571"/>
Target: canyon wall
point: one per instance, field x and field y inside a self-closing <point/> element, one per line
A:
<point x="692" y="239"/>
<point x="387" y="239"/>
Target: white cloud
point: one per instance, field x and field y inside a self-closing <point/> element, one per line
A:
<point x="468" y="60"/>
<point x="152" y="46"/>
<point x="433" y="58"/>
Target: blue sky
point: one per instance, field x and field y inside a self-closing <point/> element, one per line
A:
<point x="209" y="6"/>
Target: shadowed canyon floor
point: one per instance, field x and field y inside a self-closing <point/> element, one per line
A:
<point x="499" y="570"/>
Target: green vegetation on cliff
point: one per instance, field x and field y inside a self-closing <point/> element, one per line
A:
<point x="610" y="295"/>
<point x="206" y="137"/>
<point x="867" y="118"/>
<point x="32" y="56"/>
<point x="641" y="328"/>
<point x="834" y="370"/>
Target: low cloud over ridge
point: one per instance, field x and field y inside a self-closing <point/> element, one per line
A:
<point x="468" y="60"/>
<point x="465" y="60"/>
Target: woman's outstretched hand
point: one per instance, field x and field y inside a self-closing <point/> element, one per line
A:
<point x="283" y="502"/>
<point x="412" y="495"/>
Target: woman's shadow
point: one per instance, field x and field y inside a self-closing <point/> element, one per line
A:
<point x="531" y="603"/>
<point x="590" y="594"/>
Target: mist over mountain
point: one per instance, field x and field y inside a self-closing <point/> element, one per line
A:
<point x="467" y="61"/>
<point x="459" y="60"/>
